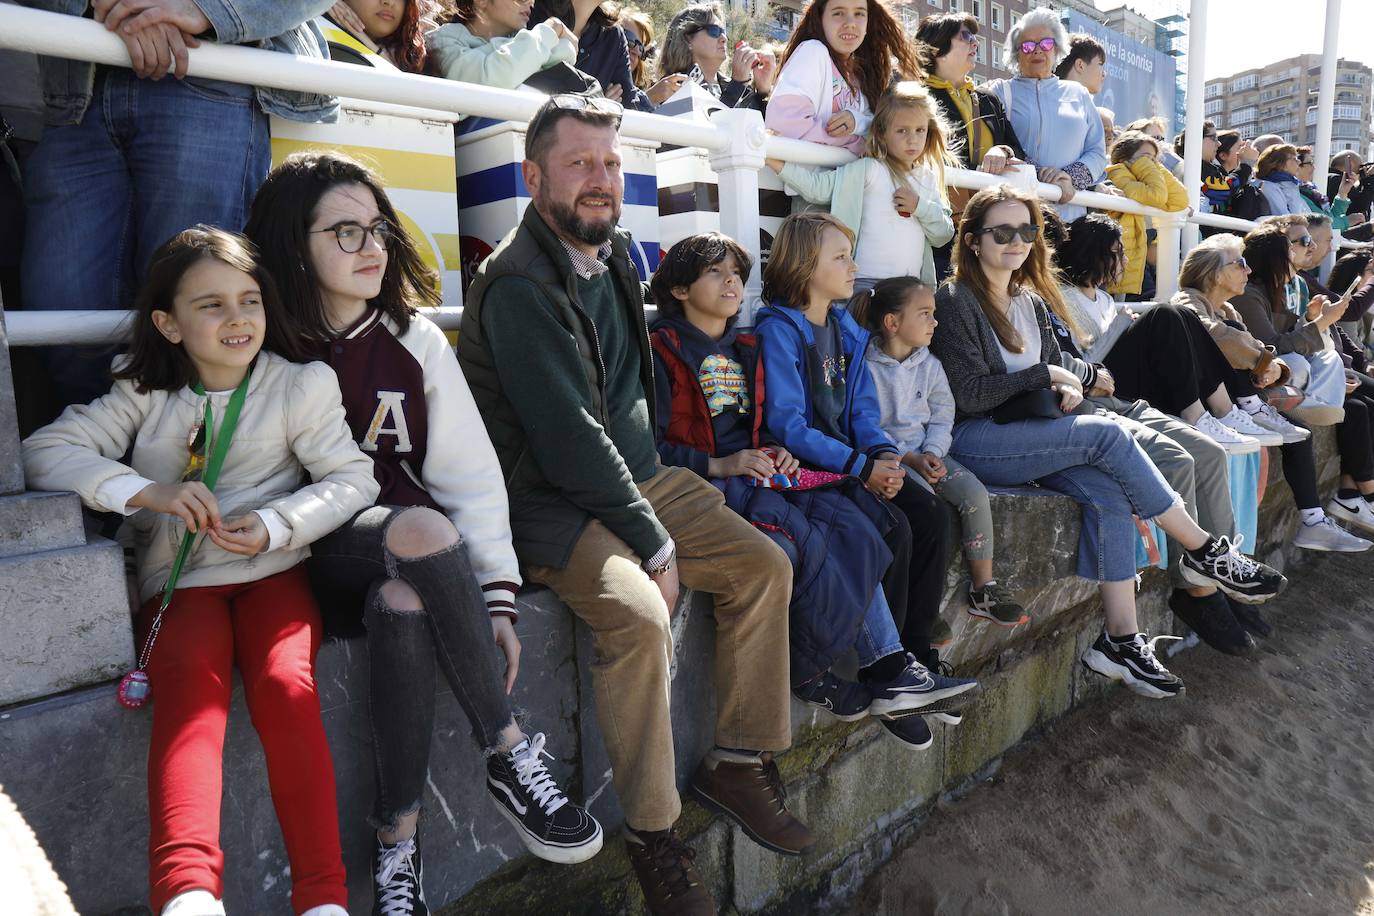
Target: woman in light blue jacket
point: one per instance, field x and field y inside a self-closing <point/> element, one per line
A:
<point x="1279" y="183"/>
<point x="1056" y="120"/>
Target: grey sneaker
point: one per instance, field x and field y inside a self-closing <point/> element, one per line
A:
<point x="1327" y="535"/>
<point x="1270" y="419"/>
<point x="1239" y="421"/>
<point x="1357" y="512"/>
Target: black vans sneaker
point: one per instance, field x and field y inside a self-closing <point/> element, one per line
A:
<point x="995" y="603"/>
<point x="1233" y="572"/>
<point x="397" y="874"/>
<point x="1250" y="617"/>
<point x="911" y="731"/>
<point x="1133" y="662"/>
<point x="845" y="700"/>
<point x="1212" y="620"/>
<point x="916" y="689"/>
<point x="550" y="826"/>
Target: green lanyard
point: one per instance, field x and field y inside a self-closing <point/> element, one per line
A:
<point x="219" y="449"/>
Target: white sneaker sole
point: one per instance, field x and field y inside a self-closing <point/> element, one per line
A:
<point x="947" y="718"/>
<point x="1203" y="581"/>
<point x="909" y="745"/>
<point x="550" y="852"/>
<point x="915" y="702"/>
<point x="1336" y="510"/>
<point x="1265" y="437"/>
<point x="1332" y="548"/>
<point x="1098" y="663"/>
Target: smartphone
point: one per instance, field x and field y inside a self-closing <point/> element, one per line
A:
<point x="1354" y="285"/>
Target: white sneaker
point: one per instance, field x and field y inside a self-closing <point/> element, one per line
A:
<point x="1360" y="514"/>
<point x="1269" y="418"/>
<point x="1238" y="421"/>
<point x="193" y="903"/>
<point x="1327" y="535"/>
<point x="1227" y="438"/>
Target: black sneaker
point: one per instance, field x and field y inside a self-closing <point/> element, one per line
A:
<point x="1211" y="619"/>
<point x="397" y="876"/>
<point x="845" y="700"/>
<point x="1133" y="662"/>
<point x="1250" y="617"/>
<point x="550" y="826"/>
<point x="1234" y="573"/>
<point x="995" y="603"/>
<point x="941" y="712"/>
<point x="917" y="688"/>
<point x="911" y="731"/>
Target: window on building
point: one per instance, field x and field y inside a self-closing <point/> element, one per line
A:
<point x="1244" y="82"/>
<point x="982" y="54"/>
<point x="998" y="17"/>
<point x="1213" y="107"/>
<point x="996" y="57"/>
<point x="1213" y="91"/>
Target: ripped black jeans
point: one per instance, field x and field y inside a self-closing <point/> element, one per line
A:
<point x="347" y="570"/>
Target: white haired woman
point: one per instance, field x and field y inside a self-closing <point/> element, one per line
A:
<point x="1055" y="120"/>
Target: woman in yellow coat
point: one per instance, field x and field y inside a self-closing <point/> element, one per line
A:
<point x="1136" y="172"/>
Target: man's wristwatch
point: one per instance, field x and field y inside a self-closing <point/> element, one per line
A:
<point x="662" y="561"/>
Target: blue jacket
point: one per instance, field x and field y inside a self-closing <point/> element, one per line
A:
<point x="787" y="336"/>
<point x="278" y="25"/>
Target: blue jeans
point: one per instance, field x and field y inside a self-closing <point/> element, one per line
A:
<point x="148" y="160"/>
<point x="878" y="636"/>
<point x="1089" y="458"/>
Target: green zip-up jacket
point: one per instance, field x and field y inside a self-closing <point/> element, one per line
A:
<point x="533" y="359"/>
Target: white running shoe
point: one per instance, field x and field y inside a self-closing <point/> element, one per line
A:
<point x="1269" y="418"/>
<point x="1327" y="535"/>
<point x="1227" y="438"/>
<point x="1357" y="512"/>
<point x="1238" y="421"/>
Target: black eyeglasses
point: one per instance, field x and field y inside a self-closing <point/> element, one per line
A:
<point x="1003" y="235"/>
<point x="571" y="101"/>
<point x="639" y="47"/>
<point x="1045" y="44"/>
<point x="714" y="30"/>
<point x="351" y="236"/>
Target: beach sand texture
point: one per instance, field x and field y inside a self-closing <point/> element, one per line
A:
<point x="1253" y="794"/>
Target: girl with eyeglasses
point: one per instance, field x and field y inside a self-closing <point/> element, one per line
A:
<point x="696" y="48"/>
<point x="841" y="58"/>
<point x="221" y="423"/>
<point x="429" y="571"/>
<point x="1015" y="424"/>
<point x="1056" y="120"/>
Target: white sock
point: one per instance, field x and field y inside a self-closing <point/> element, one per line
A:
<point x="1312" y="516"/>
<point x="1251" y="403"/>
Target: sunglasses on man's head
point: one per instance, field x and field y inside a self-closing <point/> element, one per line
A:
<point x="1045" y="44"/>
<point x="714" y="30"/>
<point x="1003" y="235"/>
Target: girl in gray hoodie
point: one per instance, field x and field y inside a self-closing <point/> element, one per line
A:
<point x="917" y="412"/>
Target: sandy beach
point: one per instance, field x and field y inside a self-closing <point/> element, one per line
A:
<point x="1253" y="794"/>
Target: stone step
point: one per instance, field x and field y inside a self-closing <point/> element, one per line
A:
<point x="64" y="620"/>
<point x="35" y="522"/>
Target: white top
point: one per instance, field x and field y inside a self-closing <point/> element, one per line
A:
<point x="889" y="244"/>
<point x="1021" y="311"/>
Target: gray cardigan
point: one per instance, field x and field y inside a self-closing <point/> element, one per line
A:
<point x="965" y="344"/>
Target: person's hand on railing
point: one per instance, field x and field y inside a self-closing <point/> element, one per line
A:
<point x="841" y="125"/>
<point x="998" y="159"/>
<point x="1109" y="189"/>
<point x="664" y="89"/>
<point x="129" y="16"/>
<point x="156" y="49"/>
<point x="775" y="164"/>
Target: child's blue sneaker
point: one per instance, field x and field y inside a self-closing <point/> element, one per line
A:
<point x="845" y="700"/>
<point x="916" y="688"/>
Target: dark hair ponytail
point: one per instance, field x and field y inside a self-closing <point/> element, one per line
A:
<point x="888" y="297"/>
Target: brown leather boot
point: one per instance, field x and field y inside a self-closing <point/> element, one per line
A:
<point x="748" y="789"/>
<point x="663" y="865"/>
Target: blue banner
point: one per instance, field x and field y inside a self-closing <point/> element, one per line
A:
<point x="1140" y="80"/>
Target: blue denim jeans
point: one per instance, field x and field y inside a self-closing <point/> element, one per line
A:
<point x="146" y="161"/>
<point x="1089" y="458"/>
<point x="878" y="636"/>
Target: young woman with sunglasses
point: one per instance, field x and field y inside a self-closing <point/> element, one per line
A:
<point x="1056" y="120"/>
<point x="429" y="571"/>
<point x="1014" y="425"/>
<point x="639" y="45"/>
<point x="213" y="352"/>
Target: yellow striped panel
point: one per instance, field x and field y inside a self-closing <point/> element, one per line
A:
<point x="402" y="169"/>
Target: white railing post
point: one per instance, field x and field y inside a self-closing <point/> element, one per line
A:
<point x="1169" y="236"/>
<point x="1326" y="97"/>
<point x="1197" y="101"/>
<point x="737" y="165"/>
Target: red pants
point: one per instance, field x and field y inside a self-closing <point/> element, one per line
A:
<point x="271" y="629"/>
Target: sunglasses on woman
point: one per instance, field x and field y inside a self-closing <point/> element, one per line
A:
<point x="1045" y="44"/>
<point x="714" y="30"/>
<point x="1003" y="235"/>
<point x="967" y="37"/>
<point x="1305" y="241"/>
<point x="1238" y="262"/>
<point x="639" y="47"/>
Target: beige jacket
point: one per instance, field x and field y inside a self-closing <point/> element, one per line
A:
<point x="292" y="424"/>
<point x="1242" y="349"/>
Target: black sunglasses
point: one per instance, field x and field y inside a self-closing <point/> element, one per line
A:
<point x="714" y="30"/>
<point x="1003" y="235"/>
<point x="634" y="44"/>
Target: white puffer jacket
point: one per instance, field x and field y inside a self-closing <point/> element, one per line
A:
<point x="292" y="425"/>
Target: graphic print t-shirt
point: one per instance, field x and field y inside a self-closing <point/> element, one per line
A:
<point x="828" y="368"/>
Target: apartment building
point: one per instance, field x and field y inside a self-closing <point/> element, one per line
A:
<point x="1281" y="98"/>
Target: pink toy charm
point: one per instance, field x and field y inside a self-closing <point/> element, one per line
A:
<point x="134" y="690"/>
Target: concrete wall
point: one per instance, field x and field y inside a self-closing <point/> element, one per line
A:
<point x="73" y="764"/>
